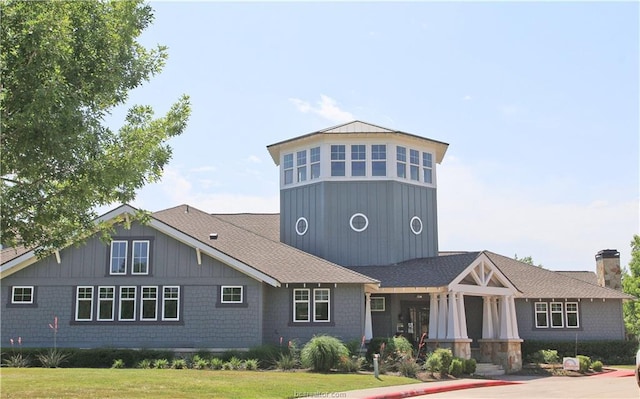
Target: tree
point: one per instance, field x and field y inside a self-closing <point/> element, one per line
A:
<point x="631" y="286"/>
<point x="526" y="259"/>
<point x="65" y="67"/>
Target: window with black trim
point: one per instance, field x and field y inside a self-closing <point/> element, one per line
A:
<point x="542" y="318"/>
<point x="301" y="306"/>
<point x="22" y="295"/>
<point x="84" y="303"/>
<point x="378" y="304"/>
<point x="557" y="315"/>
<point x="127" y="304"/>
<point x="149" y="308"/>
<point x="571" y="309"/>
<point x="312" y="305"/>
<point x="171" y="303"/>
<point x="321" y="309"/>
<point x="106" y="301"/>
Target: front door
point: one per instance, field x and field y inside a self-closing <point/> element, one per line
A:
<point x="415" y="321"/>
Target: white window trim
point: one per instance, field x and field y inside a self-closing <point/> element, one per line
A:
<point x="143" y="300"/>
<point x="13" y="294"/>
<point x="78" y="300"/>
<point x="366" y="222"/>
<point x="576" y="312"/>
<point x="327" y="301"/>
<point x="311" y="164"/>
<point x="296" y="301"/>
<point x="381" y="299"/>
<point x="552" y="312"/>
<point x="121" y="300"/>
<point x="306" y="226"/>
<point x="222" y="288"/>
<point x="285" y="169"/>
<point x="112" y="300"/>
<point x="133" y="245"/>
<point x="164" y="302"/>
<point x="411" y="225"/>
<point x="545" y="312"/>
<point x="126" y="251"/>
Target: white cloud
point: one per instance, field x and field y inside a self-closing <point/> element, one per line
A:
<point x="254" y="159"/>
<point x="466" y="98"/>
<point x="327" y="108"/>
<point x="203" y="169"/>
<point x="473" y="215"/>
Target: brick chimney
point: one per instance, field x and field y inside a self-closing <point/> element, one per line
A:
<point x="608" y="269"/>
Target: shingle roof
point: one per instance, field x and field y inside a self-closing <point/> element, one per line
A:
<point x="8" y="254"/>
<point x="265" y="224"/>
<point x="536" y="282"/>
<point x="282" y="262"/>
<point x="435" y="271"/>
<point x="587" y="277"/>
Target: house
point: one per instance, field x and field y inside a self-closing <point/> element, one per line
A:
<point x="352" y="253"/>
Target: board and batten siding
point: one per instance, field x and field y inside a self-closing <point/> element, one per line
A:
<point x="389" y="207"/>
<point x="172" y="263"/>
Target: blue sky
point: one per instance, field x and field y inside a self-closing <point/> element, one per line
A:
<point x="538" y="101"/>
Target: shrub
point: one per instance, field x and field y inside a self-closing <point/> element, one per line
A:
<point x="199" y="363"/>
<point x="550" y="356"/>
<point x="408" y="368"/>
<point x="179" y="364"/>
<point x="234" y="363"/>
<point x="597" y="366"/>
<point x="585" y="363"/>
<point x="161" y="364"/>
<point x="456" y="368"/>
<point x="52" y="358"/>
<point x="17" y="360"/>
<point x="216" y="363"/>
<point x="446" y="357"/>
<point x="286" y="362"/>
<point x="354" y="347"/>
<point x="607" y="351"/>
<point x="433" y="363"/>
<point x="350" y="364"/>
<point x="251" y="364"/>
<point x="374" y="347"/>
<point x="402" y="346"/>
<point x="118" y="364"/>
<point x="323" y="352"/>
<point x="470" y="366"/>
<point x="144" y="364"/>
<point x="227" y="355"/>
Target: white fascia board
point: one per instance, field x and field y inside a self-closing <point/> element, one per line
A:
<point x="478" y="290"/>
<point x="214" y="253"/>
<point x="483" y="258"/>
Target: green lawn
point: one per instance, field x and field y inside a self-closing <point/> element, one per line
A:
<point x="139" y="383"/>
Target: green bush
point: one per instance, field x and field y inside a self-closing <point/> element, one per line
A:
<point x="408" y="368"/>
<point x="470" y="366"/>
<point x="145" y="364"/>
<point x="179" y="364"/>
<point x="375" y="345"/>
<point x="17" y="360"/>
<point x="607" y="351"/>
<point x="350" y="364"/>
<point x="118" y="364"/>
<point x="52" y="358"/>
<point x="585" y="363"/>
<point x="550" y="356"/>
<point x="597" y="366"/>
<point x="445" y="356"/>
<point x="235" y="363"/>
<point x="354" y="347"/>
<point x="161" y="364"/>
<point x="456" y="368"/>
<point x="433" y="364"/>
<point x="251" y="364"/>
<point x="323" y="352"/>
<point x="216" y="363"/>
<point x="402" y="346"/>
<point x="286" y="362"/>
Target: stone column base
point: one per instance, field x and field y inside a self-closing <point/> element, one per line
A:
<point x="505" y="352"/>
<point x="461" y="347"/>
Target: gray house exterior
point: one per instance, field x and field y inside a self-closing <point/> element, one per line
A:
<point x="353" y="253"/>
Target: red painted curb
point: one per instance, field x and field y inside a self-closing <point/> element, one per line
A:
<point x="441" y="388"/>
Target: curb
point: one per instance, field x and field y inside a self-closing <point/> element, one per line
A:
<point x="440" y="389"/>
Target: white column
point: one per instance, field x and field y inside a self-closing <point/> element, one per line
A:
<point x="495" y="317"/>
<point x="514" y="319"/>
<point x="442" y="317"/>
<point x="453" y="330"/>
<point x="505" y="318"/>
<point x="433" y="316"/>
<point x="487" y="318"/>
<point x="368" y="325"/>
<point x="462" y="316"/>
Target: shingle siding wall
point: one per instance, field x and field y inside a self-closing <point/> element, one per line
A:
<point x="389" y="207"/>
<point x="347" y="314"/>
<point x="599" y="320"/>
<point x="201" y="325"/>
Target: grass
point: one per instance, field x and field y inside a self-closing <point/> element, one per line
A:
<point x="140" y="383"/>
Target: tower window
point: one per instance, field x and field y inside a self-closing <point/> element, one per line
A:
<point x="359" y="222"/>
<point x="314" y="155"/>
<point x="414" y="160"/>
<point x="287" y="165"/>
<point x="401" y="157"/>
<point x="301" y="163"/>
<point x="379" y="160"/>
<point x="427" y="167"/>
<point x="358" y="160"/>
<point x="302" y="225"/>
<point x="416" y="225"/>
<point x="337" y="160"/>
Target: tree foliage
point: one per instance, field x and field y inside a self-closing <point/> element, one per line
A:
<point x="631" y="286"/>
<point x="526" y="259"/>
<point x="65" y="66"/>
